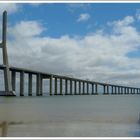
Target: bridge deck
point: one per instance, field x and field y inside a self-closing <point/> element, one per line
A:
<point x="48" y="75"/>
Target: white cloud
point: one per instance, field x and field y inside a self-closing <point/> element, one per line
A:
<point x="10" y="7"/>
<point x="128" y="20"/>
<point x="83" y="17"/>
<point x="99" y="56"/>
<point x="27" y="29"/>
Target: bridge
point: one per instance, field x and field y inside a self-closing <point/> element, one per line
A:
<point x="58" y="84"/>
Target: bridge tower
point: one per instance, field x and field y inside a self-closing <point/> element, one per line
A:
<point x="3" y="45"/>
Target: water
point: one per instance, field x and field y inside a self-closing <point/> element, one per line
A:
<point x="82" y="116"/>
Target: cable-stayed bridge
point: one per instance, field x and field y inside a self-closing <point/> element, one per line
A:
<point x="58" y="84"/>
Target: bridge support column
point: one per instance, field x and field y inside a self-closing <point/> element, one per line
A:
<point x="92" y="89"/>
<point x="38" y="84"/>
<point x="66" y="86"/>
<point x="75" y="87"/>
<point x="104" y="89"/>
<point x="83" y="88"/>
<point x="79" y="88"/>
<point x="51" y="78"/>
<point x="87" y="88"/>
<point x="96" y="89"/>
<point x="132" y="90"/>
<point x="22" y="83"/>
<point x="30" y="84"/>
<point x="118" y="90"/>
<point x="55" y="86"/>
<point x="13" y="80"/>
<point x="115" y="90"/>
<point x="41" y="85"/>
<point x="137" y="91"/>
<point x="61" y="87"/>
<point x="121" y="90"/>
<point x="112" y="90"/>
<point x="127" y="90"/>
<point x="71" y="86"/>
<point x="107" y="89"/>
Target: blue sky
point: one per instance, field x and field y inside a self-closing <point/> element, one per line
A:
<point x="98" y="41"/>
<point x="59" y="19"/>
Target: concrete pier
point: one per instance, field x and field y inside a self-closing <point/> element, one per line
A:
<point x="13" y="80"/>
<point x="75" y="87"/>
<point x="51" y="79"/>
<point x="30" y="84"/>
<point x="92" y="88"/>
<point x="105" y="89"/>
<point x="71" y="86"/>
<point x="87" y="88"/>
<point x="79" y="87"/>
<point x="83" y="88"/>
<point x="137" y="91"/>
<point x="119" y="90"/>
<point x="66" y="87"/>
<point x="61" y="86"/>
<point x="115" y="91"/>
<point x="96" y="89"/>
<point x="112" y="89"/>
<point x="55" y="86"/>
<point x="38" y="85"/>
<point x="133" y="91"/>
<point x="22" y="83"/>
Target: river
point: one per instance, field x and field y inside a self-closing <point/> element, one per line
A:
<point x="71" y="116"/>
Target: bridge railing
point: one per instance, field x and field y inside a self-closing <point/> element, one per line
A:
<point x="64" y="85"/>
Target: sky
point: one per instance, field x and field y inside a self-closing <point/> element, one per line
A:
<point x="95" y="41"/>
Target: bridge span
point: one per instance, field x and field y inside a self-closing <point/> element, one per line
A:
<point x="64" y="85"/>
<point x="58" y="84"/>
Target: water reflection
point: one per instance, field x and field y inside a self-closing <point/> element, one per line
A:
<point x="4" y="128"/>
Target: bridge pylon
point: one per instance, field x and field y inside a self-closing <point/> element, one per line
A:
<point x="3" y="45"/>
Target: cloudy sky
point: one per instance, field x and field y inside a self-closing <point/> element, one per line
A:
<point x="100" y="42"/>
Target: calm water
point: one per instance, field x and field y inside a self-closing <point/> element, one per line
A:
<point x="72" y="115"/>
